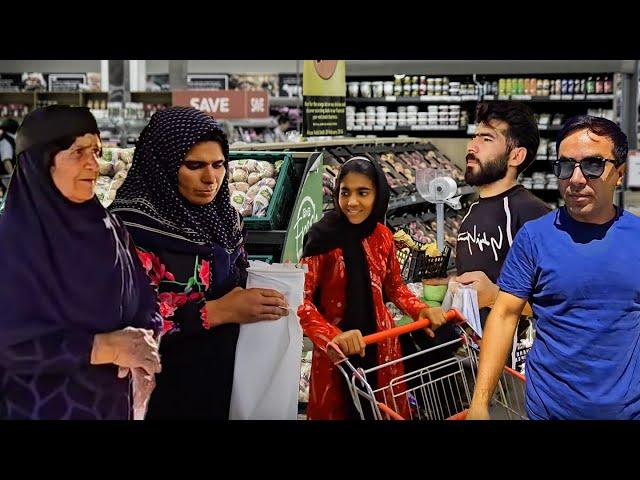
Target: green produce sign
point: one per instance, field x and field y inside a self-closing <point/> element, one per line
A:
<point x="307" y="211"/>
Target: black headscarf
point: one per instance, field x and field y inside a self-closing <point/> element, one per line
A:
<point x="149" y="196"/>
<point x="335" y="231"/>
<point x="64" y="265"/>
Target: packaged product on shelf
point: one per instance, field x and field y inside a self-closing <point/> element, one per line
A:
<point x="261" y="201"/>
<point x="237" y="199"/>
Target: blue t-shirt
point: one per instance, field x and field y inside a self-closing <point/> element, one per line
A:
<point x="583" y="283"/>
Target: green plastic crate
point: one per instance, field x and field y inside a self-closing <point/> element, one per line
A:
<point x="262" y="258"/>
<point x="283" y="194"/>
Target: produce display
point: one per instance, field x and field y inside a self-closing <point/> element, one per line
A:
<point x="414" y="227"/>
<point x="251" y="182"/>
<point x="251" y="185"/>
<point x="399" y="168"/>
<point x="404" y="240"/>
<point x="114" y="166"/>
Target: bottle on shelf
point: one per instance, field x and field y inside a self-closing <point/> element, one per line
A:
<point x="599" y="86"/>
<point x="502" y="87"/>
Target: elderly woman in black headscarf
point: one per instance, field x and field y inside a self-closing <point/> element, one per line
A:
<point x="175" y="202"/>
<point x="76" y="301"/>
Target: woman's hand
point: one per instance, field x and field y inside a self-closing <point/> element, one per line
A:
<point x="129" y="347"/>
<point x="247" y="306"/>
<point x="435" y="316"/>
<point x="350" y="342"/>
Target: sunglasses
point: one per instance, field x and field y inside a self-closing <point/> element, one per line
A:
<point x="591" y="167"/>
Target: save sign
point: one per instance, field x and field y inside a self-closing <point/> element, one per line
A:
<point x="234" y="104"/>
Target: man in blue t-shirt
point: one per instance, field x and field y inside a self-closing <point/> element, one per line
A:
<point x="579" y="268"/>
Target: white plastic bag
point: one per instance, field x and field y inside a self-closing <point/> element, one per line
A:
<point x="266" y="377"/>
<point x="465" y="299"/>
<point x="142" y="386"/>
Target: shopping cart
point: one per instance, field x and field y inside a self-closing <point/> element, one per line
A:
<point x="436" y="391"/>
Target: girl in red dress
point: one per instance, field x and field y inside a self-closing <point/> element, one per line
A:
<point x="352" y="265"/>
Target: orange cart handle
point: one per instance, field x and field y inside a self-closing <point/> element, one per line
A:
<point x="452" y="315"/>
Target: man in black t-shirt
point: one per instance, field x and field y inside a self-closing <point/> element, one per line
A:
<point x="504" y="145"/>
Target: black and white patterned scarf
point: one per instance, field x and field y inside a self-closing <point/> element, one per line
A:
<point x="150" y="191"/>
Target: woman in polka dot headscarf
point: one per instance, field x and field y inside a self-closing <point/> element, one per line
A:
<point x="175" y="203"/>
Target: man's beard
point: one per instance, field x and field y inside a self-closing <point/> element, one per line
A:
<point x="488" y="173"/>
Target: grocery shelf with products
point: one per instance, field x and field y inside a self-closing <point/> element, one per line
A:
<point x="121" y="124"/>
<point x="445" y="105"/>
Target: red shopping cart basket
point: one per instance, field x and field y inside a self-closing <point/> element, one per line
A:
<point x="436" y="391"/>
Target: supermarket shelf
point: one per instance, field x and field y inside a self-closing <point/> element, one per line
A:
<point x="425" y="217"/>
<point x="411" y="128"/>
<point x="550" y="128"/>
<point x="417" y="199"/>
<point x="285" y="101"/>
<point x="471" y="129"/>
<point x="396" y="203"/>
<point x="266" y="237"/>
<point x="16" y="94"/>
<point x="604" y="97"/>
<point x="417" y="99"/>
<point x="255" y="123"/>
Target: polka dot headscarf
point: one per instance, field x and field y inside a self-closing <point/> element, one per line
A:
<point x="151" y="186"/>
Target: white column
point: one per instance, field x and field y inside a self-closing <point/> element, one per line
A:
<point x="137" y="75"/>
<point x="104" y="75"/>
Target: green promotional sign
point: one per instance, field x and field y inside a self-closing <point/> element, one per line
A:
<point x="307" y="211"/>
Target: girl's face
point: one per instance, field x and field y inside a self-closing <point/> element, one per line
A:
<point x="356" y="197"/>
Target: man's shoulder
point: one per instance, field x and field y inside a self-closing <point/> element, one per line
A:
<point x="522" y="196"/>
<point x="631" y="218"/>
<point x="526" y="206"/>
<point x="540" y="224"/>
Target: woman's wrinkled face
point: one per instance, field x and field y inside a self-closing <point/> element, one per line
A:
<point x="75" y="170"/>
<point x="357" y="197"/>
<point x="201" y="173"/>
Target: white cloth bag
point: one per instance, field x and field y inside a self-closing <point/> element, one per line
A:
<point x="266" y="377"/>
<point x="464" y="298"/>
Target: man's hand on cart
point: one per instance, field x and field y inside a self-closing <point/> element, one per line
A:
<point x="350" y="343"/>
<point x="487" y="290"/>
<point x="436" y="318"/>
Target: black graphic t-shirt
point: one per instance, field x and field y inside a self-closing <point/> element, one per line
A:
<point x="488" y="229"/>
